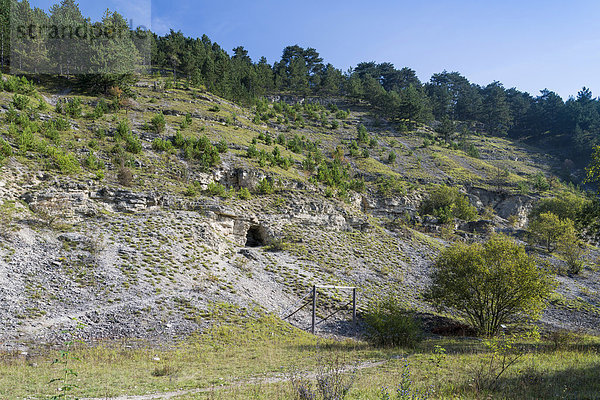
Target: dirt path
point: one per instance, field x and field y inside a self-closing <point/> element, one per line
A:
<point x="254" y="381"/>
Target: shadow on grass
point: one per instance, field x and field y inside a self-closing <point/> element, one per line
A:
<point x="569" y="383"/>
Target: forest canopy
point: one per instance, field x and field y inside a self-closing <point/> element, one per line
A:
<point x="573" y="126"/>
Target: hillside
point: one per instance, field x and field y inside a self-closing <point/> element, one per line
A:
<point x="141" y="231"/>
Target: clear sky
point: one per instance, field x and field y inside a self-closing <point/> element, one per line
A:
<point x="528" y="44"/>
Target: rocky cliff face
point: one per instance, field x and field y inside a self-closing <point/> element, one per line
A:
<point x="141" y="264"/>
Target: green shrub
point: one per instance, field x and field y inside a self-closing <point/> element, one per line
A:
<point x="5" y="149"/>
<point x="42" y="105"/>
<point x="214" y="109"/>
<point x="162" y="145"/>
<point x="333" y="173"/>
<point x="363" y="136"/>
<point x="388" y="186"/>
<point x="64" y="161"/>
<point x="252" y="152"/>
<point x="566" y="205"/>
<point x="20" y="102"/>
<point x="391" y="157"/>
<point x="25" y="140"/>
<point x="123" y="130"/>
<point x="52" y="133"/>
<point x="489" y="284"/>
<point x="222" y="146"/>
<point x="244" y="194"/>
<point x="539" y="182"/>
<point x="15" y="84"/>
<point x="62" y="124"/>
<point x="187" y="121"/>
<point x="572" y="250"/>
<point x="547" y="228"/>
<point x="100" y="109"/>
<point x="93" y="163"/>
<point x="216" y="189"/>
<point x="133" y="144"/>
<point x="266" y="186"/>
<point x="390" y="324"/>
<point x="73" y="107"/>
<point x="158" y="123"/>
<point x="447" y="203"/>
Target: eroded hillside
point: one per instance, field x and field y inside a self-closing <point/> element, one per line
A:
<point x="148" y="230"/>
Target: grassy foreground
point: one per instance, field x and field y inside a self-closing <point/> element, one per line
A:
<point x="256" y="359"/>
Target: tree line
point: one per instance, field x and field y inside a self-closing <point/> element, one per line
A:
<point x="397" y="94"/>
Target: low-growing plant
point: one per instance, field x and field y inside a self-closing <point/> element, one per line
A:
<point x="158" y="123"/>
<point x="390" y="324"/>
<point x="244" y="194"/>
<point x="93" y="163"/>
<point x="62" y="124"/>
<point x="73" y="107"/>
<point x="447" y="203"/>
<point x="125" y="176"/>
<point x="266" y="186"/>
<point x="159" y="144"/>
<point x="20" y="102"/>
<point x="406" y="389"/>
<point x="334" y="379"/>
<point x="217" y="189"/>
<point x="5" y="149"/>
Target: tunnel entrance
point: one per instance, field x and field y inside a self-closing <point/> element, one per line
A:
<point x="255" y="237"/>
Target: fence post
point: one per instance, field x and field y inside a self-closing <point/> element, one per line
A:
<point x="314" y="308"/>
<point x="354" y="307"/>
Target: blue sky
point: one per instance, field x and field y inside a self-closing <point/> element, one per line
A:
<point x="528" y="44"/>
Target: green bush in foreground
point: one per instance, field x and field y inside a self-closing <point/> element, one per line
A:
<point x="389" y="324"/>
<point x="489" y="284"/>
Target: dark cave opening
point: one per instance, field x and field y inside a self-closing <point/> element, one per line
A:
<point x="255" y="237"/>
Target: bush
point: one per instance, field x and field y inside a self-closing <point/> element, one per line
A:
<point x="62" y="124"/>
<point x="216" y="189"/>
<point x="539" y="182"/>
<point x="73" y="107"/>
<point x="389" y="324"/>
<point x="363" y="136"/>
<point x="133" y="144"/>
<point x="93" y="163"/>
<point x="64" y="161"/>
<point x="222" y="146"/>
<point x="391" y="157"/>
<point x="566" y="205"/>
<point x="158" y="123"/>
<point x="389" y="186"/>
<point x="265" y="186"/>
<point x="547" y="228"/>
<point x="100" y="109"/>
<point x="489" y="284"/>
<point x="187" y="121"/>
<point x="123" y="129"/>
<point x="20" y="102"/>
<point x="5" y="149"/>
<point x="162" y="145"/>
<point x="252" y="151"/>
<point x="447" y="203"/>
<point x="125" y="176"/>
<point x="244" y="194"/>
<point x="571" y="249"/>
